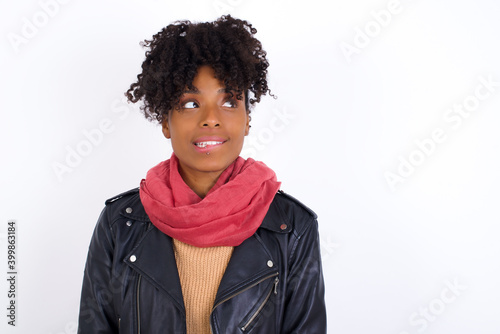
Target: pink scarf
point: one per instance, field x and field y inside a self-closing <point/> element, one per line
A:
<point x="230" y="213"/>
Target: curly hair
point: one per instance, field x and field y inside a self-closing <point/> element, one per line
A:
<point x="176" y="52"/>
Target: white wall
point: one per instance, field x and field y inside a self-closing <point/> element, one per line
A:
<point x="355" y="107"/>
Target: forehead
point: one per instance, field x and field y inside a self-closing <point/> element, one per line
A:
<point x="205" y="81"/>
<point x="205" y="75"/>
<point x="205" y="78"/>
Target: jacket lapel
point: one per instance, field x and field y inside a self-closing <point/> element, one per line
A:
<point x="250" y="262"/>
<point x="155" y="260"/>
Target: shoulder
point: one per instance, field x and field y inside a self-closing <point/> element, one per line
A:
<point x="288" y="202"/>
<point x="121" y="223"/>
<point x="125" y="194"/>
<point x="288" y="214"/>
<point x="127" y="205"/>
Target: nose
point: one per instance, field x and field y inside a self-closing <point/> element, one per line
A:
<point x="210" y="117"/>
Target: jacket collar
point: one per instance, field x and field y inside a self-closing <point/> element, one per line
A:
<point x="276" y="219"/>
<point x="133" y="209"/>
<point x="273" y="220"/>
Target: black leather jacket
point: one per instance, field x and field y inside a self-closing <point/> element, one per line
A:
<point x="273" y="282"/>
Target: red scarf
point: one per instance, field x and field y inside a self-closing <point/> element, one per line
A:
<point x="230" y="212"/>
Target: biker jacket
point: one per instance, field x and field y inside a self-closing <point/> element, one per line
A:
<point x="272" y="284"/>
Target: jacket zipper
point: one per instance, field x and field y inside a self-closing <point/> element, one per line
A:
<point x="261" y="306"/>
<point x="241" y="291"/>
<point x="138" y="308"/>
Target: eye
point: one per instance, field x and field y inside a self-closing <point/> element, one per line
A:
<point x="189" y="105"/>
<point x="230" y="104"/>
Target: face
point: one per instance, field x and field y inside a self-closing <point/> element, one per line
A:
<point x="208" y="127"/>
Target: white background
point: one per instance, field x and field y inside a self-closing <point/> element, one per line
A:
<point x="389" y="254"/>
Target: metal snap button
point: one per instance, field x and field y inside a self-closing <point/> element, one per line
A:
<point x="128" y="210"/>
<point x="133" y="258"/>
<point x="269" y="263"/>
<point x="283" y="226"/>
<point x="128" y="223"/>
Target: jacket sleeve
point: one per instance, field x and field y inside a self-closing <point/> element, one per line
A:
<point x="305" y="310"/>
<point x="97" y="314"/>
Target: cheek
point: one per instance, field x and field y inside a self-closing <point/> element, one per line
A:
<point x="240" y="135"/>
<point x="178" y="129"/>
<point x="240" y="131"/>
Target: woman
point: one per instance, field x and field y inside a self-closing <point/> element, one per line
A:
<point x="207" y="243"/>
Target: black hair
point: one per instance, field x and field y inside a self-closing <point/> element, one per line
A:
<point x="227" y="45"/>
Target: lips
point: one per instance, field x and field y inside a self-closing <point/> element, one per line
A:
<point x="208" y="143"/>
<point x="204" y="144"/>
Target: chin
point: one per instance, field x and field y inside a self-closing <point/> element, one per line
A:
<point x="216" y="165"/>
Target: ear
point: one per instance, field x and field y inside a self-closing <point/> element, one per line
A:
<point x="165" y="128"/>
<point x="247" y="126"/>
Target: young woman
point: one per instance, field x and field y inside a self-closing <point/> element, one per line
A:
<point x="207" y="243"/>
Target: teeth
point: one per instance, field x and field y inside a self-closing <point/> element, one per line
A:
<point x="207" y="143"/>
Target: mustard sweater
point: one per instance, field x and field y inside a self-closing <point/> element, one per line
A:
<point x="200" y="272"/>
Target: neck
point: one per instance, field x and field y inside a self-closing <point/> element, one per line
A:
<point x="200" y="183"/>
